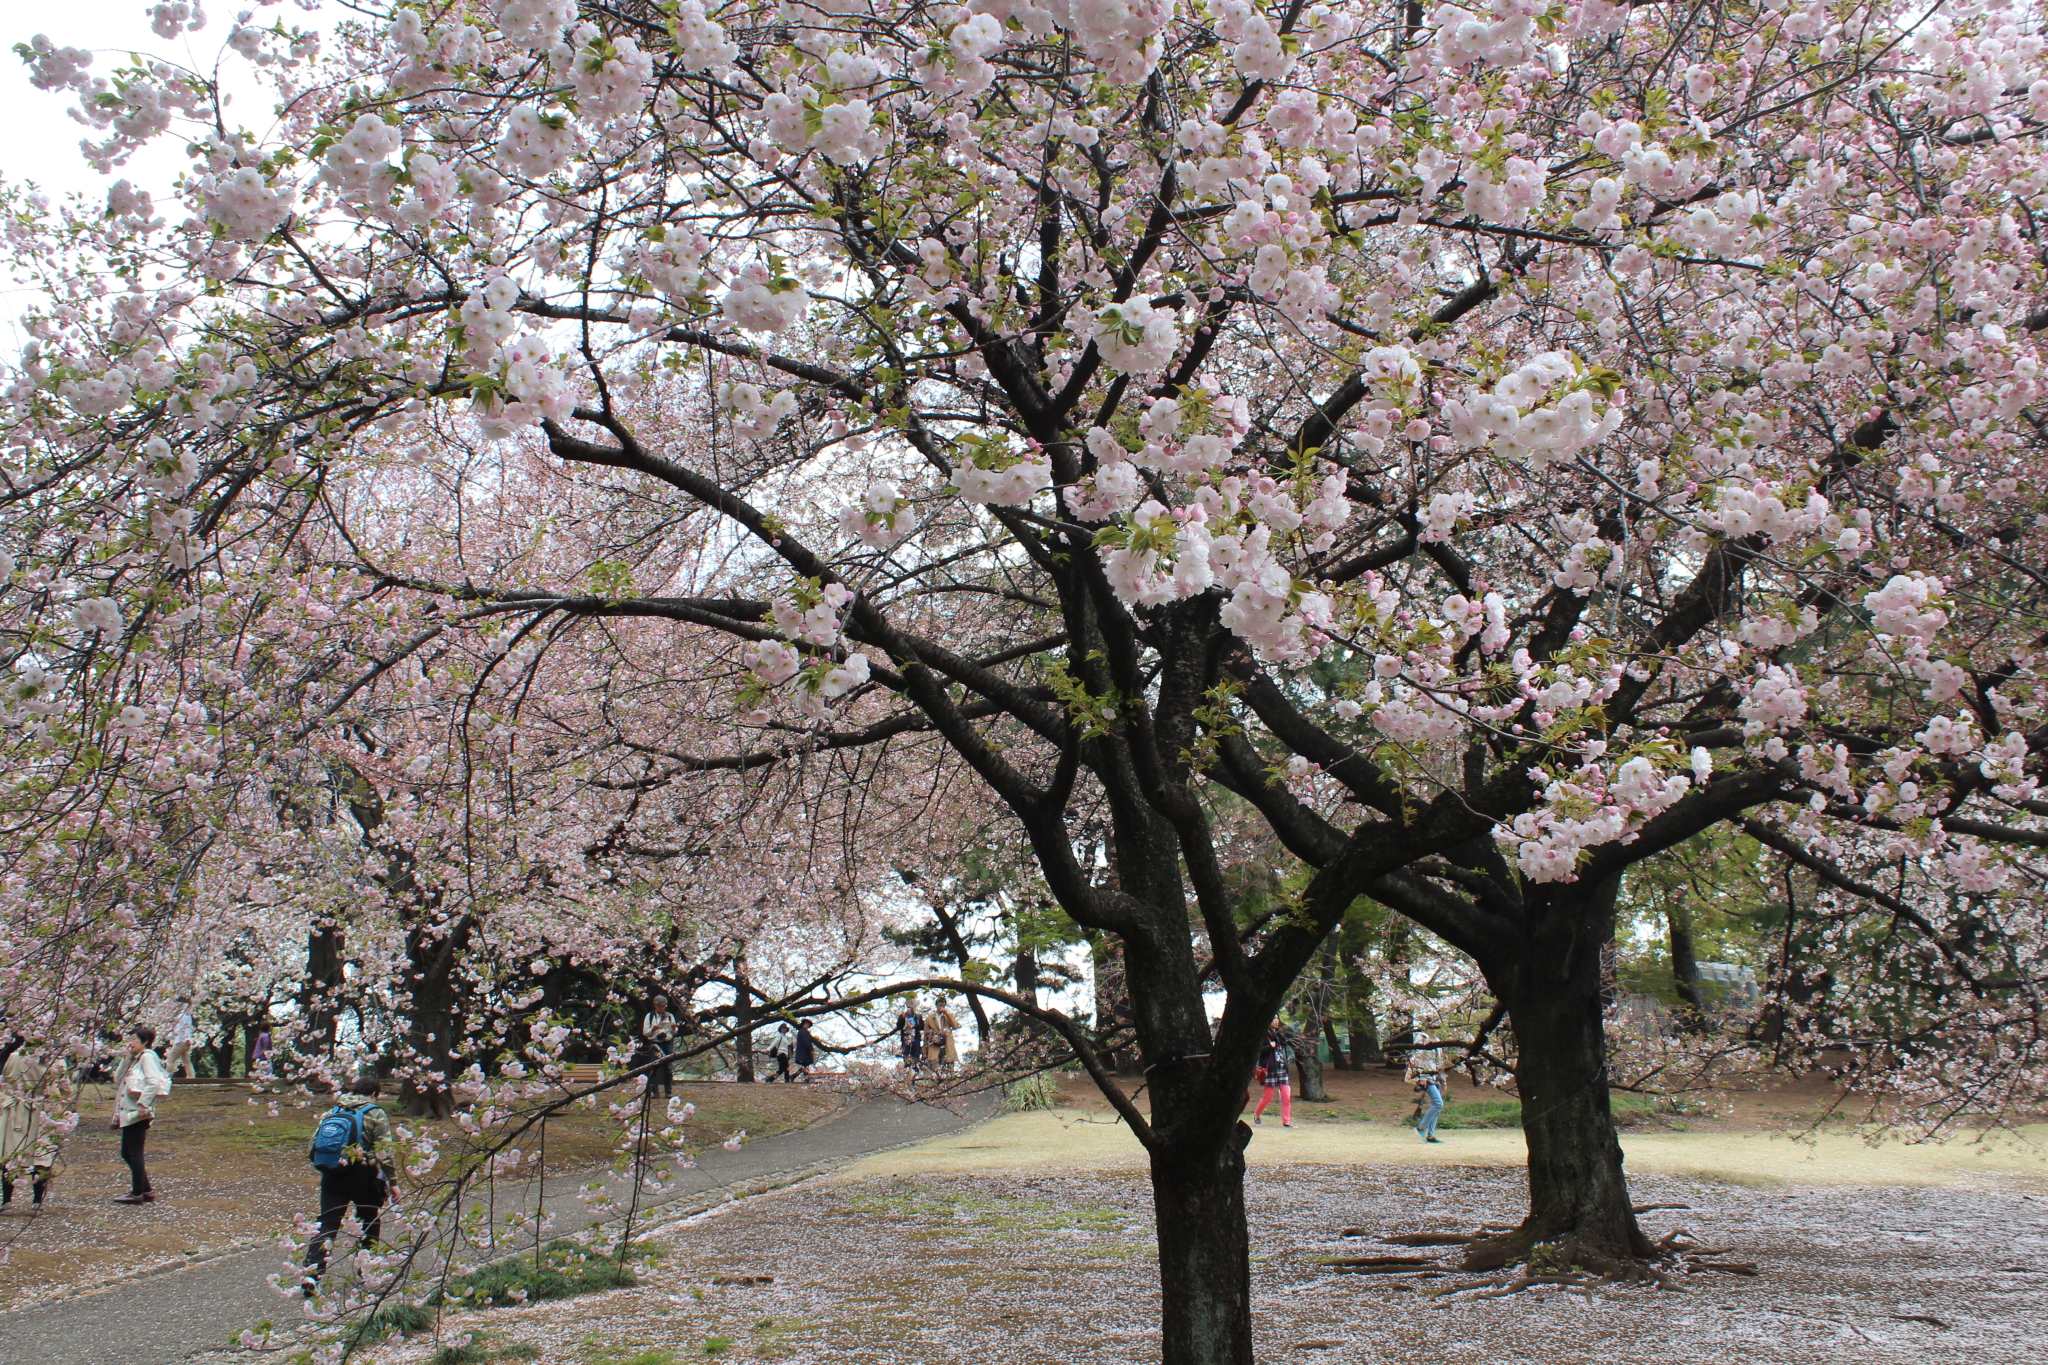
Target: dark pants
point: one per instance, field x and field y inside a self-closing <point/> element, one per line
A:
<point x="40" y="1181"/>
<point x="663" y="1076"/>
<point x="345" y="1187"/>
<point x="132" y="1138"/>
<point x="782" y="1070"/>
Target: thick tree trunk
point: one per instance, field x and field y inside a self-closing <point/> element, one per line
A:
<point x="1205" y="1283"/>
<point x="433" y="1020"/>
<point x="1578" y="1195"/>
<point x="318" y="994"/>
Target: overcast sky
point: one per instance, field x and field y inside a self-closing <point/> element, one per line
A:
<point x="40" y="145"/>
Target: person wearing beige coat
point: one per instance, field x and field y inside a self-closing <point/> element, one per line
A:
<point x="22" y="1143"/>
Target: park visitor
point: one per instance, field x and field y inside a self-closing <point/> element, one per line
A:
<point x="910" y="1028"/>
<point x="21" y="1127"/>
<point x="780" y="1045"/>
<point x="352" y="1151"/>
<point x="1272" y="1076"/>
<point x="941" y="1053"/>
<point x="140" y="1080"/>
<point x="259" y="1054"/>
<point x="805" y="1050"/>
<point x="180" y="1058"/>
<point x="658" y="1030"/>
<point x="1429" y="1104"/>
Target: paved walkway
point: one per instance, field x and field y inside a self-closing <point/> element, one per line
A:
<point x="159" y="1319"/>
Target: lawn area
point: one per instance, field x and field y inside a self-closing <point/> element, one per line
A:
<point x="230" y="1168"/>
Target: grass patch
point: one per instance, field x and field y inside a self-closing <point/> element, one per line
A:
<point x="563" y="1271"/>
<point x="406" y="1319"/>
<point x="1508" y="1113"/>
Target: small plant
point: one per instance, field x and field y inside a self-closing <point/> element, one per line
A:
<point x="406" y="1319"/>
<point x="1031" y="1092"/>
<point x="519" y="1350"/>
<point x="718" y="1346"/>
<point x="469" y="1353"/>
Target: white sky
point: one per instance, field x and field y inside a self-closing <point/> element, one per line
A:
<point x="43" y="144"/>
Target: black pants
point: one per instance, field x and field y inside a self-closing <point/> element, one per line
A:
<point x="345" y="1187"/>
<point x="782" y="1070"/>
<point x="40" y="1181"/>
<point x="663" y="1075"/>
<point x="132" y="1138"/>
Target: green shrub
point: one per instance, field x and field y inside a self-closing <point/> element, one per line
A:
<point x="472" y="1354"/>
<point x="1032" y="1092"/>
<point x="402" y="1318"/>
<point x="565" y="1270"/>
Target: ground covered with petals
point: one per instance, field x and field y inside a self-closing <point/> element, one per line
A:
<point x="934" y="1269"/>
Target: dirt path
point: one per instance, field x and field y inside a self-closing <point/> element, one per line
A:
<point x="162" y="1318"/>
<point x="230" y="1166"/>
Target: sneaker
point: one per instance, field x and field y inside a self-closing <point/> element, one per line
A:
<point x="1258" y="1121"/>
<point x="1433" y="1139"/>
<point x="1288" y="1124"/>
<point x="132" y="1198"/>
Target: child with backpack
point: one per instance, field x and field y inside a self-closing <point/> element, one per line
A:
<point x="352" y="1151"/>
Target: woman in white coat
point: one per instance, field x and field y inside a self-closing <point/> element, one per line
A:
<point x="139" y="1082"/>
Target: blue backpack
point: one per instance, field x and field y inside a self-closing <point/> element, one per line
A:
<point x="340" y="1130"/>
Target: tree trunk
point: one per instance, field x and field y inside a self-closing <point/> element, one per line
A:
<point x="1112" y="997"/>
<point x="433" y="1019"/>
<point x="318" y="994"/>
<point x="1024" y="972"/>
<point x="1205" y="1286"/>
<point x="1685" y="966"/>
<point x="1310" y="1066"/>
<point x="743" y="1020"/>
<point x="1578" y="1195"/>
<point x="1337" y="1057"/>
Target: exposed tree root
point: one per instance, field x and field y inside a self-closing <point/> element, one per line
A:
<point x="1495" y="1263"/>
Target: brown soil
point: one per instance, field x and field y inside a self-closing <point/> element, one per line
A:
<point x="230" y="1168"/>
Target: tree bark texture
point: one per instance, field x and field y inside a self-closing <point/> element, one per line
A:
<point x="434" y="1018"/>
<point x="1578" y="1194"/>
<point x="1204" y="1250"/>
<point x="1309" y="1065"/>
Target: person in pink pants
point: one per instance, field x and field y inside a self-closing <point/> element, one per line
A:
<point x="1273" y="1076"/>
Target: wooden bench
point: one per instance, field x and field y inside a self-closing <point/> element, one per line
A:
<point x="583" y="1073"/>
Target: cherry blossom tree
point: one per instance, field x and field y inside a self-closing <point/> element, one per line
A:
<point x="1494" y="444"/>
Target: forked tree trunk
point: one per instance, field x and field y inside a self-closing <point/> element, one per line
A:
<point x="1578" y="1194"/>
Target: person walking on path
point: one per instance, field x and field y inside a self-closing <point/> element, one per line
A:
<point x="352" y="1151"/>
<point x="259" y="1055"/>
<point x="21" y="1128"/>
<point x="1429" y="1104"/>
<point x="804" y="1051"/>
<point x="780" y="1045"/>
<point x="910" y="1028"/>
<point x="180" y="1059"/>
<point x="658" y="1030"/>
<point x="1272" y="1076"/>
<point x="139" y="1082"/>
